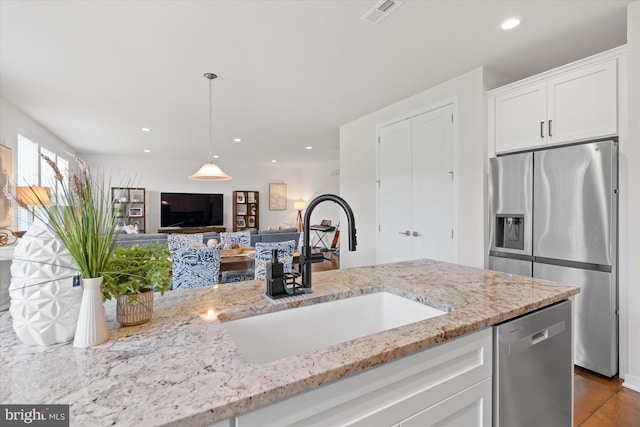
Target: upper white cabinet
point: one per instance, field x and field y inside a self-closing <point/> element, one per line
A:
<point x="520" y="117"/>
<point x="571" y="103"/>
<point x="582" y="104"/>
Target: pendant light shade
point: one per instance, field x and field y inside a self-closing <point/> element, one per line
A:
<point x="210" y="171"/>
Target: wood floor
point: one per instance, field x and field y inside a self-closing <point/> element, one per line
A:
<point x="603" y="402"/>
<point x="598" y="401"/>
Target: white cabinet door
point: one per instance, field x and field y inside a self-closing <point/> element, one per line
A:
<point x="520" y="118"/>
<point x="432" y="186"/>
<point x="469" y="408"/>
<point x="582" y="104"/>
<point x="394" y="192"/>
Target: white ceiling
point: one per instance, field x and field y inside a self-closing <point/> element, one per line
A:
<point x="290" y="72"/>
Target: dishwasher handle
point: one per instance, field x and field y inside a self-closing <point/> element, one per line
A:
<point x="529" y="340"/>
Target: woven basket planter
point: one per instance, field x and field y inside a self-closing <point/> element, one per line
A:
<point x="134" y="309"/>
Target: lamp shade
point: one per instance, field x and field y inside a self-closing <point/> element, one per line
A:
<point x="33" y="195"/>
<point x="210" y="172"/>
<point x="300" y="205"/>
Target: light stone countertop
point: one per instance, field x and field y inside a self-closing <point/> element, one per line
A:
<point x="181" y="368"/>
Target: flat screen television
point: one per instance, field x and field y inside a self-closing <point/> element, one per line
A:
<point x="190" y="210"/>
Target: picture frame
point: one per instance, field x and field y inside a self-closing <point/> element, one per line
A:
<point x="240" y="197"/>
<point x="135" y="212"/>
<point x="277" y="196"/>
<point x="241" y="209"/>
<point x="5" y="180"/>
<point x="251" y="197"/>
<point x="240" y="222"/>
<point x="251" y="221"/>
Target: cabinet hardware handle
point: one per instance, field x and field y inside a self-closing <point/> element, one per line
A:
<point x="542" y="129"/>
<point x="416" y="234"/>
<point x="406" y="232"/>
<point x="550" y="127"/>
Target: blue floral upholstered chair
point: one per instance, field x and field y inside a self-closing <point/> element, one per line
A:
<point x="241" y="238"/>
<point x="263" y="256"/>
<point x="194" y="264"/>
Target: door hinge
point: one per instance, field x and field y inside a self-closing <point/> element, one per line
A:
<point x="378" y="140"/>
<point x="379" y="229"/>
<point x="452" y="233"/>
<point x="378" y="182"/>
<point x="451" y="117"/>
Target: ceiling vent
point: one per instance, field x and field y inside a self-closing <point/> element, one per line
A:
<point x="381" y="10"/>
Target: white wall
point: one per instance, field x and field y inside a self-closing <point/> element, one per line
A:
<point x="358" y="168"/>
<point x="164" y="175"/>
<point x="630" y="211"/>
<point x="14" y="121"/>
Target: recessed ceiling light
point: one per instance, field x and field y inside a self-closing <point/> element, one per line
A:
<point x="510" y="23"/>
<point x="308" y="147"/>
<point x="145" y="130"/>
<point x="237" y="140"/>
<point x="147" y="150"/>
<point x="215" y="156"/>
<point x="273" y="161"/>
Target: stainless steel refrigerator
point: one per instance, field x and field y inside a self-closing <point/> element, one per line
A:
<point x="553" y="215"/>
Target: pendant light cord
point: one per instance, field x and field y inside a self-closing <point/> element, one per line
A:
<point x="210" y="125"/>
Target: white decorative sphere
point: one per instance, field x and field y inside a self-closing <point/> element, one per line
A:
<point x="44" y="302"/>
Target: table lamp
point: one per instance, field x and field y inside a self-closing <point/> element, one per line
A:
<point x="300" y="206"/>
<point x="34" y="196"/>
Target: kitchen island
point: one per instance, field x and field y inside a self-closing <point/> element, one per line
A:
<point x="182" y="368"/>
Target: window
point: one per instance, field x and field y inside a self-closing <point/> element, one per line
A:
<point x="33" y="170"/>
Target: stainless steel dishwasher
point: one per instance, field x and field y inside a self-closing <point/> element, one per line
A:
<point x="533" y="369"/>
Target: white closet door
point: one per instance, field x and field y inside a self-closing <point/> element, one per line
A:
<point x="432" y="188"/>
<point x="394" y="192"/>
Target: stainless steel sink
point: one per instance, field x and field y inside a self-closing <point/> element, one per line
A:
<point x="268" y="337"/>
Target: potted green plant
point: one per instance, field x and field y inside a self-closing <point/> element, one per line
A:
<point x="132" y="275"/>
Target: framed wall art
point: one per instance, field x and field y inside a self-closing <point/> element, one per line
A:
<point x="277" y="197"/>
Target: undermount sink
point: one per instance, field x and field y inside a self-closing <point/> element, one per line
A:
<point x="268" y="337"/>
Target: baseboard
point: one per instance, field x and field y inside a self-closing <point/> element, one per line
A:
<point x="632" y="382"/>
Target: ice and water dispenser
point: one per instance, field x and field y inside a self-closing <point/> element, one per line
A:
<point x="509" y="231"/>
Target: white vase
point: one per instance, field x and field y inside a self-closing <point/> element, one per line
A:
<point x="92" y="326"/>
<point x="44" y="302"/>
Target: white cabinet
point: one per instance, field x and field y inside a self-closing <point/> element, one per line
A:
<point x="449" y="384"/>
<point x="582" y="104"/>
<point x="520" y="116"/>
<point x="573" y="103"/>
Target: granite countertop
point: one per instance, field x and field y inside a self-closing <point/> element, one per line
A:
<point x="181" y="368"/>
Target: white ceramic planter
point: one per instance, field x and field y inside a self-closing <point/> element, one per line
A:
<point x="92" y="321"/>
<point x="44" y="302"/>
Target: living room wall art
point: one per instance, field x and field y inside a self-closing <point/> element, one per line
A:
<point x="277" y="197"/>
<point x="5" y="179"/>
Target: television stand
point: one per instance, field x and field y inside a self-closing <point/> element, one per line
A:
<point x="191" y="230"/>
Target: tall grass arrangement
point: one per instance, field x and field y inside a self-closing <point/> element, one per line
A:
<point x="83" y="217"/>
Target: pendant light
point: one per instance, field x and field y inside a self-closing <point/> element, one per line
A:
<point x="210" y="171"/>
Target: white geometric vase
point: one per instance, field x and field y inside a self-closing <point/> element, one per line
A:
<point x="44" y="302"/>
<point x="92" y="321"/>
